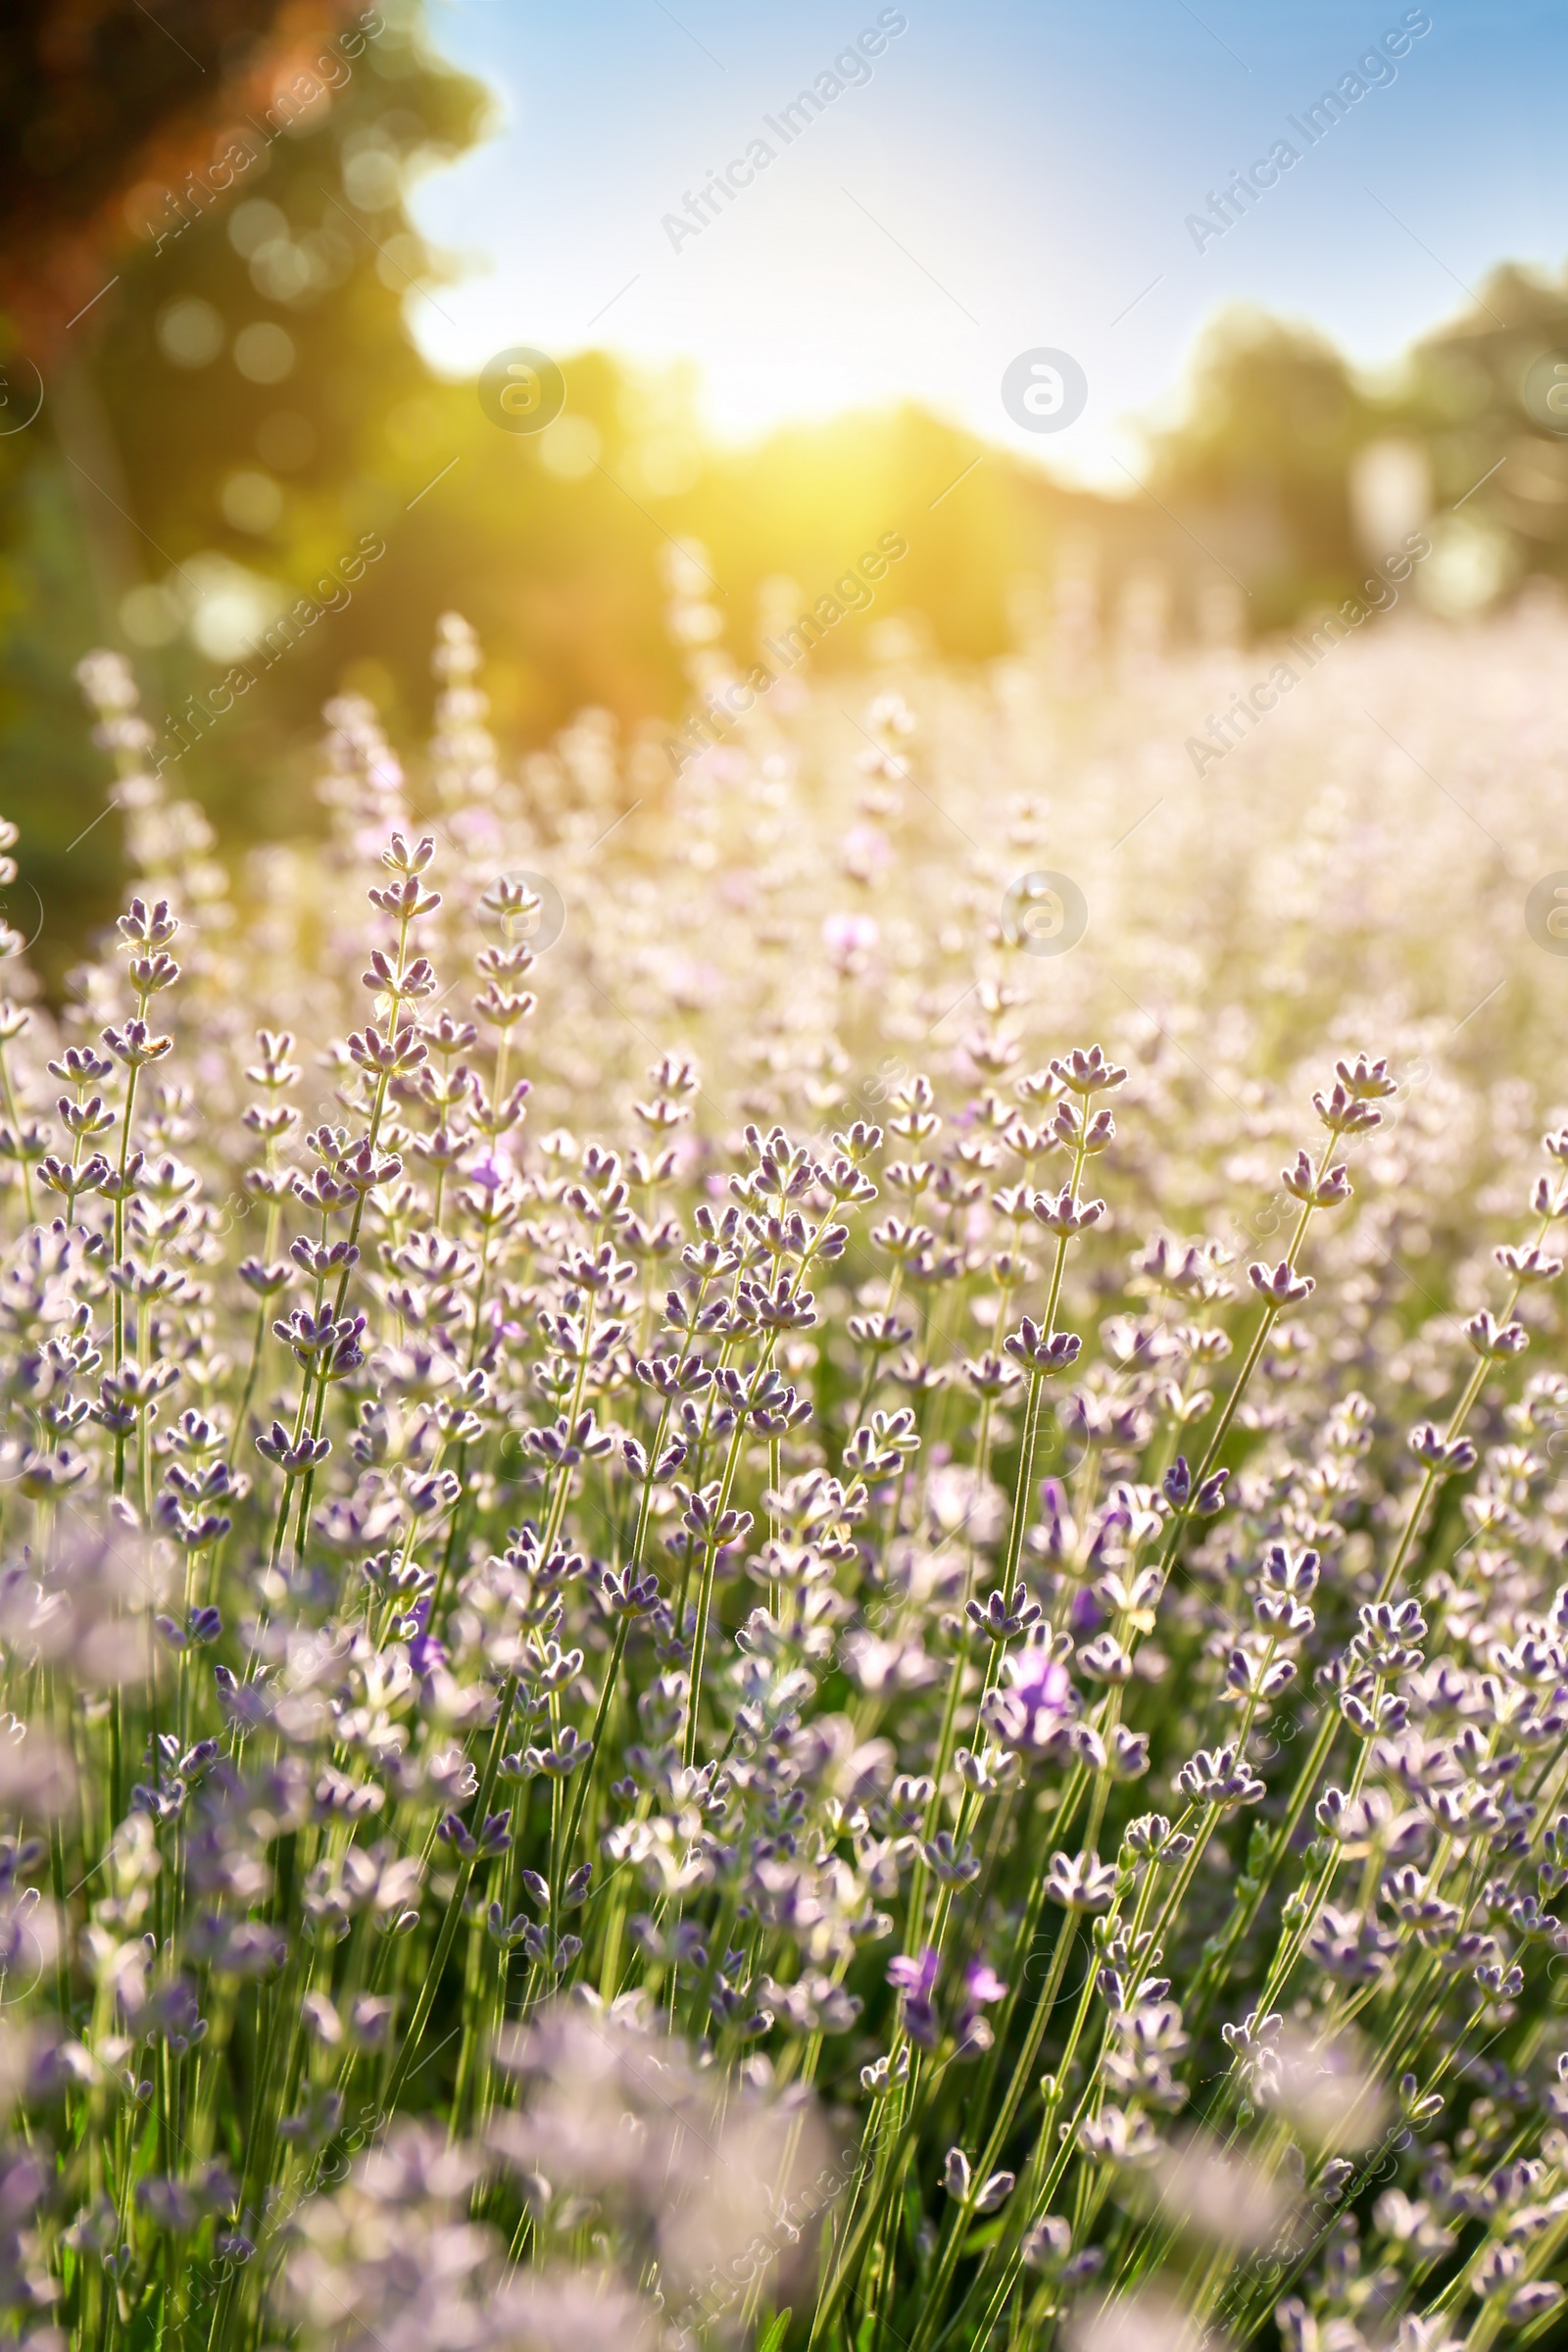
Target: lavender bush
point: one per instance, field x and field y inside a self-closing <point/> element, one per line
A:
<point x="712" y="1633"/>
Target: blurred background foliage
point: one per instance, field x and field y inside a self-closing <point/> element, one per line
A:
<point x="233" y="397"/>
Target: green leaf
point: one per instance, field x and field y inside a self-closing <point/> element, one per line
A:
<point x="774" y="2336"/>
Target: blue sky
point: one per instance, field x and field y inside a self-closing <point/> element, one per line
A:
<point x="1008" y="178"/>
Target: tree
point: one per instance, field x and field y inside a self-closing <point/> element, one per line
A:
<point x="94" y="101"/>
<point x="1260" y="462"/>
<point x="206" y="446"/>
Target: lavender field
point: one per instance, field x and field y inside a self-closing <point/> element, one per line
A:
<point x="784" y="1544"/>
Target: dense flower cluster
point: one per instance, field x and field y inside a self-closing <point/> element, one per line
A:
<point x="708" y="1629"/>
